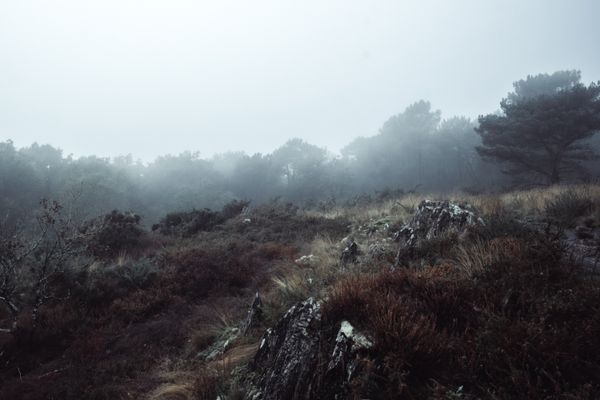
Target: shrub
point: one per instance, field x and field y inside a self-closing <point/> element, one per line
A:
<point x="412" y="319"/>
<point x="189" y="223"/>
<point x="113" y="234"/>
<point x="221" y="267"/>
<point x="234" y="208"/>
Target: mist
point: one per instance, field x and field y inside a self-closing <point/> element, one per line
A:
<point x="148" y="79"/>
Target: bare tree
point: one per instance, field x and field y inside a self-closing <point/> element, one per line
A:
<point x="30" y="260"/>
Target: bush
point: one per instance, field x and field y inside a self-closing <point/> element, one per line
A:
<point x="113" y="234"/>
<point x="284" y="223"/>
<point x="186" y="224"/>
<point x="219" y="267"/>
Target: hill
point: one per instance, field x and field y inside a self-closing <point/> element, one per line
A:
<point x="408" y="296"/>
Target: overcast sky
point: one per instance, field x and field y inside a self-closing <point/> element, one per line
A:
<point x="151" y="77"/>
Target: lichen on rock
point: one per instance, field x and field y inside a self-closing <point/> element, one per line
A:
<point x="433" y="219"/>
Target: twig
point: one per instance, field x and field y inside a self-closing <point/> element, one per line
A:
<point x="56" y="371"/>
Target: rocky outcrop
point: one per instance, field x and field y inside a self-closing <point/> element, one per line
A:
<point x="344" y="364"/>
<point x="299" y="359"/>
<point x="254" y="314"/>
<point x="431" y="220"/>
<point x="582" y="245"/>
<point x="288" y="354"/>
<point x="350" y="253"/>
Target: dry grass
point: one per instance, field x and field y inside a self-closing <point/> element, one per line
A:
<point x="174" y="391"/>
<point x="402" y="208"/>
<point x="292" y="286"/>
<point x="531" y="201"/>
<point x="297" y="281"/>
<point x="202" y="383"/>
<point x="475" y="257"/>
<point x="527" y="202"/>
<point x="237" y="355"/>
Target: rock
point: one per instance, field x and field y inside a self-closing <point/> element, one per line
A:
<point x="287" y="358"/>
<point x="381" y="225"/>
<point x="350" y="253"/>
<point x="299" y="359"/>
<point x="254" y="314"/>
<point x="582" y="245"/>
<point x="433" y="219"/>
<point x="379" y="250"/>
<point x="220" y="345"/>
<point x="348" y="343"/>
<point x="306" y="260"/>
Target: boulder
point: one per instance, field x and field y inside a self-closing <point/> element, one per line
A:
<point x="433" y="219"/>
<point x="350" y="253"/>
<point x="299" y="359"/>
<point x="344" y="365"/>
<point x="287" y="358"/>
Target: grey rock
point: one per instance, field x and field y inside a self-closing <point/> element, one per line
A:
<point x="220" y="345"/>
<point x="288" y="355"/>
<point x="254" y="314"/>
<point x="350" y="253"/>
<point x="433" y="219"/>
<point x="299" y="359"/>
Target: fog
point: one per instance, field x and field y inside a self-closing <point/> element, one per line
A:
<point x="155" y="77"/>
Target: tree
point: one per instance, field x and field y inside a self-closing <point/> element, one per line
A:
<point x="454" y="152"/>
<point x="30" y="261"/>
<point x="397" y="156"/>
<point x="301" y="166"/>
<point x="542" y="127"/>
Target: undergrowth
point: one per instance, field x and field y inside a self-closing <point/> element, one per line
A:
<point x="498" y="313"/>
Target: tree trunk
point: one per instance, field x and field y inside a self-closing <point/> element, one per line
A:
<point x="555" y="175"/>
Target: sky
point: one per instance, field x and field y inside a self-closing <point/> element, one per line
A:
<point x="154" y="77"/>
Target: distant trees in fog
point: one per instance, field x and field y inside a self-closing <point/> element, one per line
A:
<point x="545" y="129"/>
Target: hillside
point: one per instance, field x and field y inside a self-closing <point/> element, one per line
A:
<point x="465" y="296"/>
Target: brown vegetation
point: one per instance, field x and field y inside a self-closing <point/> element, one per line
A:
<point x="515" y="322"/>
<point x="502" y="312"/>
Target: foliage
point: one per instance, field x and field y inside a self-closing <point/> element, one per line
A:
<point x="542" y="127"/>
<point x="189" y="223"/>
<point x="114" y="234"/>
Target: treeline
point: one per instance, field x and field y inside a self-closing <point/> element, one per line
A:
<point x="414" y="150"/>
